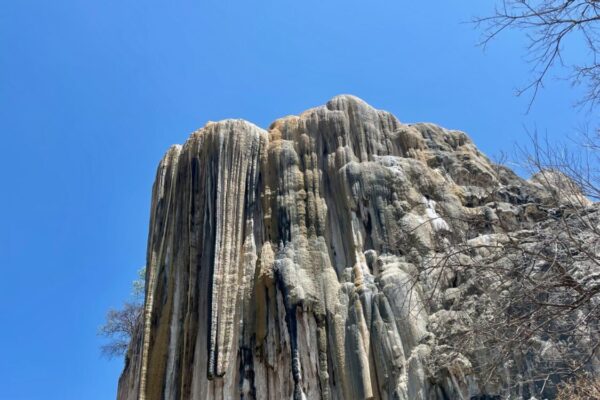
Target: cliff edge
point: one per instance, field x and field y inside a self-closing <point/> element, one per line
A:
<point x="291" y="262"/>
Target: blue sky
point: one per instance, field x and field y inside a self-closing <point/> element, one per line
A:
<point x="93" y="92"/>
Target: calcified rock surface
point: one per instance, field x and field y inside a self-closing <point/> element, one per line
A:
<point x="281" y="261"/>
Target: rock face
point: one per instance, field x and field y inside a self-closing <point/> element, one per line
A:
<point x="287" y="263"/>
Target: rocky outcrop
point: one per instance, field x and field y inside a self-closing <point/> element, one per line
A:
<point x="288" y="262"/>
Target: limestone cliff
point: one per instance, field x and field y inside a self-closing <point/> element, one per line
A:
<point x="281" y="263"/>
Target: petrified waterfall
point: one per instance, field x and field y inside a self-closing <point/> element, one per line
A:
<point x="281" y="263"/>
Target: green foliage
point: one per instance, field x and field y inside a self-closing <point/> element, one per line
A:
<point x="139" y="285"/>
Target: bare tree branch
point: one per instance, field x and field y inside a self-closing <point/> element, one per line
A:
<point x="549" y="24"/>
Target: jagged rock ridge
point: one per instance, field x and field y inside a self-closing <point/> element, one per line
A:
<point x="281" y="261"/>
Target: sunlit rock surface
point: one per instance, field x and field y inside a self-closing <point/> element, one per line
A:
<point x="284" y="263"/>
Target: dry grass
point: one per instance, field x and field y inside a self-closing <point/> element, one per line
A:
<point x="583" y="388"/>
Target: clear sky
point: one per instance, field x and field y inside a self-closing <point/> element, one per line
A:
<point x="93" y="92"/>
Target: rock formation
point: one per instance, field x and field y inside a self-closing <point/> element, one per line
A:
<point x="288" y="262"/>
